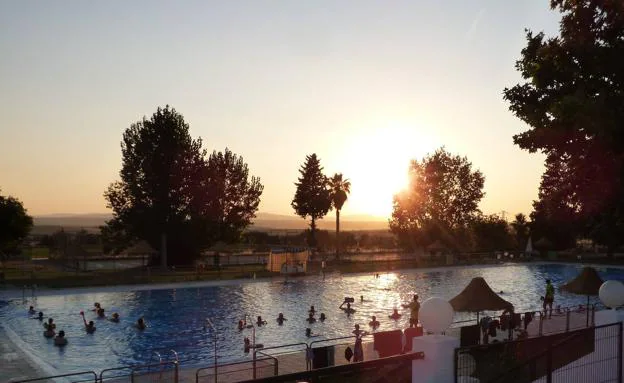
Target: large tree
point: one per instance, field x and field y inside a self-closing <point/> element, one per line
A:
<point x="572" y="99"/>
<point x="15" y="224"/>
<point x="439" y="203"/>
<point x="228" y="198"/>
<point x="313" y="196"/>
<point x="521" y="231"/>
<point x="171" y="196"/>
<point x="340" y="188"/>
<point x="492" y="233"/>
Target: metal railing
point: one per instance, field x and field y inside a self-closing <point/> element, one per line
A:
<point x="229" y="370"/>
<point x="92" y="377"/>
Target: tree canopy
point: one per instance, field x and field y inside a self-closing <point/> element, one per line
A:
<point x="572" y="99"/>
<point x="313" y="196"/>
<point x="15" y="223"/>
<point x="440" y="201"/>
<point x="171" y="195"/>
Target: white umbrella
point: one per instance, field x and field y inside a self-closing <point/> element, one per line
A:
<point x="529" y="246"/>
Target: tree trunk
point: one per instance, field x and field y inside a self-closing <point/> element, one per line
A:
<point x="337" y="234"/>
<point x="313" y="234"/>
<point x="163" y="251"/>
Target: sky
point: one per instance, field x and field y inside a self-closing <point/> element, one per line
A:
<point x="366" y="85"/>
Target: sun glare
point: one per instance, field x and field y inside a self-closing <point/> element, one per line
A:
<point x="376" y="162"/>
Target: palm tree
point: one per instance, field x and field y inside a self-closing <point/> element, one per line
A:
<point x="339" y="189"/>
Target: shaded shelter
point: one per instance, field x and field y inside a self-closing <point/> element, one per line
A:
<point x="587" y="283"/>
<point x="478" y="296"/>
<point x="141" y="248"/>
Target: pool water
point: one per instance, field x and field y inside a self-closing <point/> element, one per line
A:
<point x="176" y="317"/>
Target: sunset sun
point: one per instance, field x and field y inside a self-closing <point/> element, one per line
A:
<point x="376" y="163"/>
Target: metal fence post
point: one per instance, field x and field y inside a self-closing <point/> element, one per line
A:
<point x="619" y="359"/>
<point x="175" y="373"/>
<point x="276" y="371"/>
<point x="455" y="364"/>
<point x="549" y="364"/>
<point x="541" y="325"/>
<point x="567" y="320"/>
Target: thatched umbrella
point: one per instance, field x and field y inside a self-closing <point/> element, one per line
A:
<point x="141" y="248"/>
<point x="478" y="296"/>
<point x="588" y="283"/>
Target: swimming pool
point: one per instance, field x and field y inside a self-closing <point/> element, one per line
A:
<point x="176" y="317"/>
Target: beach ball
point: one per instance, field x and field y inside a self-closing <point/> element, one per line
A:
<point x="611" y="293"/>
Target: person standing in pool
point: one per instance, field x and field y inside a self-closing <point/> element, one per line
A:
<point x="549" y="298"/>
<point x="414" y="309"/>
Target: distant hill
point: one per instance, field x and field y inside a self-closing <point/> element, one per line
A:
<point x="263" y="221"/>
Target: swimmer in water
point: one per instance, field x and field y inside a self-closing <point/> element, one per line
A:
<point x="39" y="317"/>
<point x="96" y="306"/>
<point x="49" y="333"/>
<point x="140" y="324"/>
<point x="60" y="339"/>
<point x="348" y="309"/>
<point x="90" y="327"/>
<point x="310" y="334"/>
<point x="312" y="310"/>
<point x="374" y="323"/>
<point x="395" y="315"/>
<point x="260" y="321"/>
<point x="322" y="317"/>
<point x="311" y="318"/>
<point x="100" y="313"/>
<point x="114" y="318"/>
<point x="241" y="325"/>
<point x="280" y="319"/>
<point x="361" y="298"/>
<point x="32" y="310"/>
<point x="50" y="325"/>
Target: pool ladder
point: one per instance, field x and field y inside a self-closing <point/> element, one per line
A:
<point x="156" y="354"/>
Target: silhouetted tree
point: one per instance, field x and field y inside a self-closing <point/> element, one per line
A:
<point x="520" y="227"/>
<point x="440" y="202"/>
<point x="172" y="196"/>
<point x="340" y="189"/>
<point x="571" y="99"/>
<point x="15" y="224"/>
<point x="492" y="233"/>
<point x="313" y="197"/>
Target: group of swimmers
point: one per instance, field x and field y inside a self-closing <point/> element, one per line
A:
<point x="60" y="340"/>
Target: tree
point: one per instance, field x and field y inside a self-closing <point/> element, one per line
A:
<point x="171" y="196"/>
<point x="15" y="223"/>
<point x="491" y="233"/>
<point x="520" y="228"/>
<point x="572" y="101"/>
<point x="339" y="188"/>
<point x="440" y="202"/>
<point x="228" y="199"/>
<point x="312" y="197"/>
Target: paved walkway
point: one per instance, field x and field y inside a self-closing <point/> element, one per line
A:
<point x="14" y="364"/>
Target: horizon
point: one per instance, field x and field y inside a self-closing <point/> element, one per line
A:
<point x="365" y="86"/>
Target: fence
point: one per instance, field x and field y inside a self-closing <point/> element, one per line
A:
<point x="76" y="377"/>
<point x="397" y="368"/>
<point x="586" y="355"/>
<point x="234" y="372"/>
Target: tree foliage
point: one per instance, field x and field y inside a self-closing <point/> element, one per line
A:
<point x="15" y="223"/>
<point x="521" y="231"/>
<point x="492" y="233"/>
<point x="168" y="187"/>
<point x="313" y="197"/>
<point x="440" y="202"/>
<point x="572" y="99"/>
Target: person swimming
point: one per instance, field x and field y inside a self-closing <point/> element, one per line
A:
<point x="374" y="323"/>
<point x="312" y="310"/>
<point x="241" y="325"/>
<point x="100" y="313"/>
<point x="49" y="333"/>
<point x="90" y="327"/>
<point x="395" y="315"/>
<point x="32" y="310"/>
<point x="280" y="319"/>
<point x="310" y="334"/>
<point x="96" y="306"/>
<point x="60" y="339"/>
<point x="260" y="321"/>
<point x="347" y="309"/>
<point x="39" y="317"/>
<point x="50" y="325"/>
<point x="114" y="318"/>
<point x="311" y="318"/>
<point x="322" y="317"/>
<point x="140" y="324"/>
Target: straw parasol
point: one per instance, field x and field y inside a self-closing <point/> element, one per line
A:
<point x="478" y="296"/>
<point x="141" y="248"/>
<point x="588" y="283"/>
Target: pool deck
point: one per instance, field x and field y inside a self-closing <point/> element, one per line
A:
<point x="14" y="363"/>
